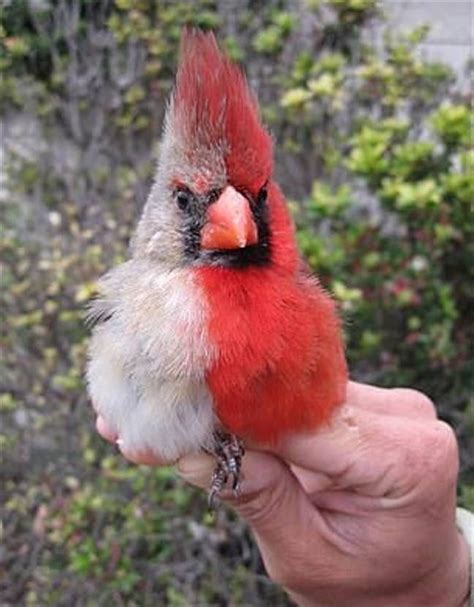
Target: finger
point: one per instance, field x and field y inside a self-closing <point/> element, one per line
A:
<point x="104" y="430"/>
<point x="376" y="454"/>
<point x="312" y="482"/>
<point x="196" y="469"/>
<point x="266" y="484"/>
<point x="146" y="458"/>
<point x="282" y="517"/>
<point x="403" y="402"/>
<point x="258" y="469"/>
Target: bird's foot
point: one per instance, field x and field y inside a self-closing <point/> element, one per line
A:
<point x="228" y="451"/>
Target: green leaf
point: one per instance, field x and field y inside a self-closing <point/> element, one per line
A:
<point x="295" y="98"/>
<point x="453" y="124"/>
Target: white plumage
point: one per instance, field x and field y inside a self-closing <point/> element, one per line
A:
<point x="148" y="359"/>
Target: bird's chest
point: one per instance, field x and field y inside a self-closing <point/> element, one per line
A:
<point x="258" y="326"/>
<point x="248" y="314"/>
<point x="148" y="361"/>
<point x="166" y="319"/>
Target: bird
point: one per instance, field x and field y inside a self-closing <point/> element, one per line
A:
<point x="213" y="332"/>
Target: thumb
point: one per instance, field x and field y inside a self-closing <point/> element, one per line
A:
<point x="269" y="492"/>
<point x="283" y="520"/>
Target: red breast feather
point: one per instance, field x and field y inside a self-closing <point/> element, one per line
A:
<point x="280" y="364"/>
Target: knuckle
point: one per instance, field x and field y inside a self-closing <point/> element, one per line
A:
<point x="440" y="460"/>
<point x="419" y="402"/>
<point x="445" y="445"/>
<point x="429" y="459"/>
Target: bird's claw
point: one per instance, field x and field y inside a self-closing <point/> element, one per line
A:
<point x="228" y="450"/>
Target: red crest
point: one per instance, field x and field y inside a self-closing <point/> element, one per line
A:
<point x="213" y="106"/>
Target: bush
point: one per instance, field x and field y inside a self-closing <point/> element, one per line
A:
<point x="375" y="151"/>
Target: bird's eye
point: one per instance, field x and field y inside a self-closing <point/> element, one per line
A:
<point x="183" y="197"/>
<point x="262" y="195"/>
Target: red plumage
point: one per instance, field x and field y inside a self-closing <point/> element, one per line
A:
<point x="212" y="105"/>
<point x="281" y="365"/>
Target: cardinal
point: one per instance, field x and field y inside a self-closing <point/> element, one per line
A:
<point x="213" y="332"/>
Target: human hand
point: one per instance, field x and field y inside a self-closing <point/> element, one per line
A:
<point x="362" y="513"/>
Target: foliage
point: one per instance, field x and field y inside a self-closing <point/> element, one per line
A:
<point x="376" y="147"/>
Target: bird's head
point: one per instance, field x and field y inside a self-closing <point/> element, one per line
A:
<point x="210" y="204"/>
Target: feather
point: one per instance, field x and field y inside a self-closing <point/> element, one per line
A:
<point x="212" y="105"/>
<point x="98" y="311"/>
<point x="280" y="365"/>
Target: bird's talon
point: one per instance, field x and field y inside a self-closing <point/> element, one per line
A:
<point x="228" y="451"/>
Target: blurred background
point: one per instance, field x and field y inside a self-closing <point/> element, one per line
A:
<point x="370" y="111"/>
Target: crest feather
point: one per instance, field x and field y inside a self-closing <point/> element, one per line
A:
<point x="212" y="105"/>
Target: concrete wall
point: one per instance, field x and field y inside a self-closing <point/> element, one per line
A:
<point x="451" y="37"/>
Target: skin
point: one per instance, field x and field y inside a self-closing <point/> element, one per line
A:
<point x="360" y="513"/>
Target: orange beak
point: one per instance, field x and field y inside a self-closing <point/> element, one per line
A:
<point x="230" y="224"/>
